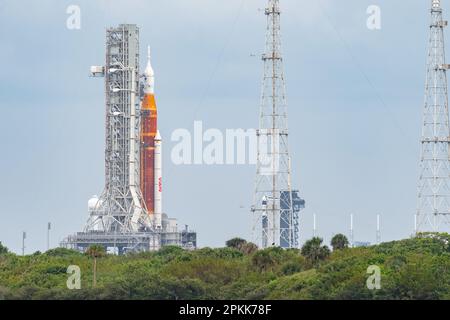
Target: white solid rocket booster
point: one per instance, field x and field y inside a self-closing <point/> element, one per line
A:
<point x="158" y="180"/>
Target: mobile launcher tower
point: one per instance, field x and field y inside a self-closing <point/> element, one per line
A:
<point x="128" y="215"/>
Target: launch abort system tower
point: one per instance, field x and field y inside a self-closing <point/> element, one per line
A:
<point x="433" y="210"/>
<point x="276" y="206"/>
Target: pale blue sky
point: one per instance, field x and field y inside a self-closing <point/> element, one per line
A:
<point x="355" y="99"/>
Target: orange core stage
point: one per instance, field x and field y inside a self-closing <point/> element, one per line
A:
<point x="149" y="120"/>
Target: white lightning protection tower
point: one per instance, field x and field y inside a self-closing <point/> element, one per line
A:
<point x="433" y="210"/>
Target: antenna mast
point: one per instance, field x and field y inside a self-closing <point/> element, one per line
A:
<point x="378" y="235"/>
<point x="24" y="236"/>
<point x="314" y="226"/>
<point x="276" y="205"/>
<point x="434" y="182"/>
<point x="351" y="231"/>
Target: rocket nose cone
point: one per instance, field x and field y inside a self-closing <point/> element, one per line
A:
<point x="149" y="70"/>
<point x="158" y="135"/>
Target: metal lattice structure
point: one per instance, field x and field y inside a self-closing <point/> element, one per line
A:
<point x="118" y="219"/>
<point x="434" y="182"/>
<point x="275" y="205"/>
<point x="120" y="208"/>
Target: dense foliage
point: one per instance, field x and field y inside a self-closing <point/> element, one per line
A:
<point x="417" y="268"/>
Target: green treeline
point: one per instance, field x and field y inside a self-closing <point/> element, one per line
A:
<point x="416" y="268"/>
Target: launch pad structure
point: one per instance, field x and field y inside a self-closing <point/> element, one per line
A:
<point x="121" y="243"/>
<point x="122" y="218"/>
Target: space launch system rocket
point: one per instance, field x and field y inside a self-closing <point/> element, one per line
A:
<point x="151" y="174"/>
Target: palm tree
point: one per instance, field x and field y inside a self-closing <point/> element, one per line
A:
<point x="314" y="251"/>
<point x="339" y="242"/>
<point x="242" y="245"/>
<point x="236" y="243"/>
<point x="95" y="251"/>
